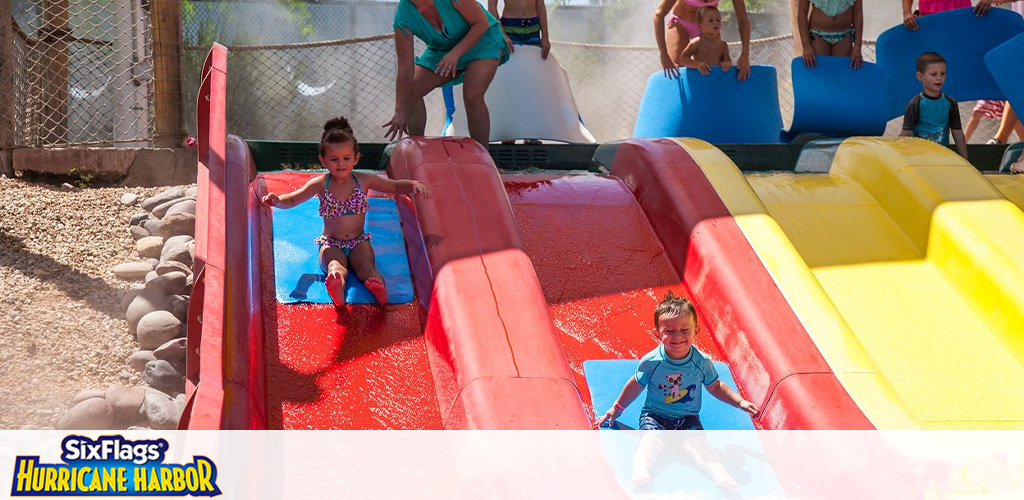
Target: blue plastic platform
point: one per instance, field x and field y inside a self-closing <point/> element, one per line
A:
<point x="836" y="100"/>
<point x="961" y="38"/>
<point x="674" y="471"/>
<point x="297" y="274"/>
<point x="1006" y="62"/>
<point x="715" y="107"/>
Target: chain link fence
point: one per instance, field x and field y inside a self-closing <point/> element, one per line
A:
<point x="83" y="70"/>
<point x="81" y="73"/>
<point x="287" y="91"/>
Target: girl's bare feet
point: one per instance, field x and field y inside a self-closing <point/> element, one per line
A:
<point x="377" y="288"/>
<point x="336" y="289"/>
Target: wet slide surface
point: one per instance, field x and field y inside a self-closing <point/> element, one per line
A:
<point x="948" y="368"/>
<point x="368" y="370"/>
<point x="600" y="265"/>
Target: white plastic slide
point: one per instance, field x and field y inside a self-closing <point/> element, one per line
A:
<point x="529" y="98"/>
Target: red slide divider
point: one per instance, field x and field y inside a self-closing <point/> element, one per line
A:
<point x="773" y="358"/>
<point x="495" y="355"/>
<point x="225" y="386"/>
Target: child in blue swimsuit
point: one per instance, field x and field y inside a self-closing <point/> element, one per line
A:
<point x="931" y="114"/>
<point x="344" y="243"/>
<point x="830" y="28"/>
<point x="673" y="374"/>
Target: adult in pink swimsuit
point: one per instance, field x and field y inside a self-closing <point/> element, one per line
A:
<point x="925" y="7"/>
<point x="680" y="16"/>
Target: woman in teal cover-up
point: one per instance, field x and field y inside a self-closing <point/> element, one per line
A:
<point x="464" y="45"/>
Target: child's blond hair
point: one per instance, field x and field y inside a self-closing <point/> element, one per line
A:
<point x="701" y="12"/>
<point x="674" y="306"/>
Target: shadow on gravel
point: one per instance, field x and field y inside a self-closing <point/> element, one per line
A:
<point x="100" y="295"/>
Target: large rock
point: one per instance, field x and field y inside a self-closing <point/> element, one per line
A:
<point x="129" y="296"/>
<point x="156" y="328"/>
<point x="138" y="219"/>
<point x="161" y="375"/>
<point x="149" y="247"/>
<point x="172" y="266"/>
<point x="91" y="414"/>
<point x="137" y="361"/>
<point x="129" y="199"/>
<point x="152" y="226"/>
<point x="172" y="350"/>
<point x="147" y="301"/>
<point x="86" y="394"/>
<point x="176" y="224"/>
<point x="178" y="248"/>
<point x="179" y="307"/>
<point x="191" y="191"/>
<point x="125" y="402"/>
<point x="132" y="270"/>
<point x="167" y="195"/>
<point x="160" y="410"/>
<point x="171" y="283"/>
<point x="186" y="206"/>
<point x="162" y="208"/>
<point x="138" y="232"/>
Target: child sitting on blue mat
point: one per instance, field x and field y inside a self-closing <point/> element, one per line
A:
<point x="343" y="205"/>
<point x="709" y="49"/>
<point x="931" y="114"/>
<point x="673" y="374"/>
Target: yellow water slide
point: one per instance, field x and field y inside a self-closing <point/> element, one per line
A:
<point x="906" y="267"/>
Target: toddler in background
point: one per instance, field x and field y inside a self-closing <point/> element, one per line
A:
<point x="708" y="49"/>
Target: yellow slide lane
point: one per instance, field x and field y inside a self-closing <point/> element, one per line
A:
<point x="900" y="264"/>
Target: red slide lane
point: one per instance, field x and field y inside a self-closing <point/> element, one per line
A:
<point x="770" y="352"/>
<point x="367" y="370"/>
<point x="600" y="264"/>
<point x="496" y="358"/>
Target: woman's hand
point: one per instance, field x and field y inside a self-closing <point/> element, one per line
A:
<point x="856" y="59"/>
<point x="982" y="7"/>
<point x="910" y="21"/>
<point x="447" y="67"/>
<point x="743" y="67"/>
<point x="396" y="127"/>
<point x="670" y="68"/>
<point x="809" y="59"/>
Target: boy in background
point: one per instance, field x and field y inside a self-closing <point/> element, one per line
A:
<point x="931" y="114"/>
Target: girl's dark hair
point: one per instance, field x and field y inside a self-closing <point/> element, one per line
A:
<point x="337" y="131"/>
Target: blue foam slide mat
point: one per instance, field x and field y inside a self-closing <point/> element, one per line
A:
<point x="1005" y="64"/>
<point x="836" y="100"/>
<point x="297" y="274"/>
<point x="674" y="471"/>
<point x="715" y="107"/>
<point x="961" y="38"/>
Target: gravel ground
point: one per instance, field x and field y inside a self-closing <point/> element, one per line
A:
<point x="62" y="328"/>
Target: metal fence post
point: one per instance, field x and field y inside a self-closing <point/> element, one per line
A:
<point x="6" y="88"/>
<point x="168" y="73"/>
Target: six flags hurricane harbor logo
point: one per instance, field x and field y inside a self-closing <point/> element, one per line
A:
<point x="114" y="466"/>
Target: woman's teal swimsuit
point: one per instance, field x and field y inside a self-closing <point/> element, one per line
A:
<point x="453" y="28"/>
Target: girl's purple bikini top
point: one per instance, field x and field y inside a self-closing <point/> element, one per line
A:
<point x="356" y="203"/>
